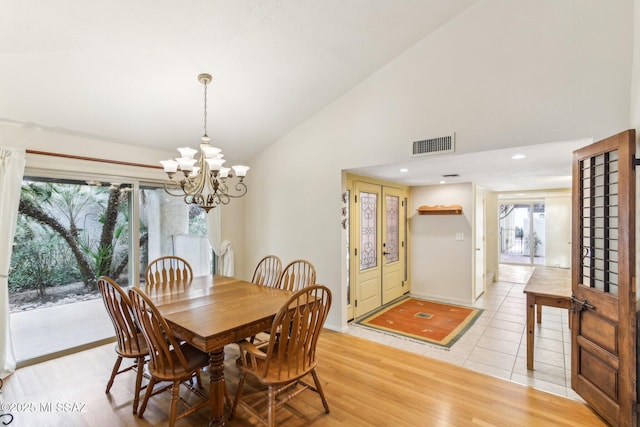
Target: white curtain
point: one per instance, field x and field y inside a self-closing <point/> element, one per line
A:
<point x="222" y="248"/>
<point x="12" y="161"/>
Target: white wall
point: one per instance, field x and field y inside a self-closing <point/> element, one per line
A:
<point x="504" y="73"/>
<point x="441" y="267"/>
<point x="634" y="117"/>
<point x="33" y="138"/>
<point x="557" y="212"/>
<point x="492" y="257"/>
<point x="635" y="72"/>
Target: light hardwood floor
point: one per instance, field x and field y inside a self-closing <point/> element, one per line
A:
<point x="366" y="383"/>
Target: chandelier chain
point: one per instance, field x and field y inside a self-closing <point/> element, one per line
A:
<point x="205" y="108"/>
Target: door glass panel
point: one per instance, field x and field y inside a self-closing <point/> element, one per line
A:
<point x="512" y="232"/>
<point x="599" y="224"/>
<point x="405" y="218"/>
<point x="368" y="230"/>
<point x="522" y="233"/>
<point x="392" y="225"/>
<point x="537" y="239"/>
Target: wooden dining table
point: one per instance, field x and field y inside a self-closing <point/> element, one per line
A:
<point x="550" y="286"/>
<point x="210" y="312"/>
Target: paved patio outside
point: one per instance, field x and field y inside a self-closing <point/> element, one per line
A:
<point x="521" y="259"/>
<point x="53" y="331"/>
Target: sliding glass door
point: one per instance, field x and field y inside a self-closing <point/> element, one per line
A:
<point x="70" y="232"/>
<point x="522" y="232"/>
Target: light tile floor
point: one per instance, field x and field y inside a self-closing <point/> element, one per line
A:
<point x="497" y="344"/>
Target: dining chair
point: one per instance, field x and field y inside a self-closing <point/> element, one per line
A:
<point x="130" y="343"/>
<point x="289" y="356"/>
<point x="168" y="269"/>
<point x="170" y="360"/>
<point x="297" y="275"/>
<point x="267" y="271"/>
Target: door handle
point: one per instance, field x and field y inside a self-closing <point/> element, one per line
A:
<point x="385" y="253"/>
<point x="584" y="305"/>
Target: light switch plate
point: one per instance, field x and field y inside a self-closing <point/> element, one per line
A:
<point x="459" y="236"/>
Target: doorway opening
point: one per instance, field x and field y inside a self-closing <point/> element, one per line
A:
<point x="522" y="232"/>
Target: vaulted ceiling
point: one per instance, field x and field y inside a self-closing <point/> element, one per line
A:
<point x="126" y="71"/>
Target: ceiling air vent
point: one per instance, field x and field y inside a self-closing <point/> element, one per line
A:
<point x="441" y="145"/>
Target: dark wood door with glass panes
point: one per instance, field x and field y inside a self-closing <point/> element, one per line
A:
<point x="603" y="312"/>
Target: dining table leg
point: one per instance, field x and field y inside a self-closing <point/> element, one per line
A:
<point x="216" y="386"/>
<point x="531" y="319"/>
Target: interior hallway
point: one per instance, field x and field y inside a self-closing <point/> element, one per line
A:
<point x="497" y="344"/>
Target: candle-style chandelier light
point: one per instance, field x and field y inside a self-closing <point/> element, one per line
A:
<point x="204" y="182"/>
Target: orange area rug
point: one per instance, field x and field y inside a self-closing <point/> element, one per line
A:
<point x="433" y="322"/>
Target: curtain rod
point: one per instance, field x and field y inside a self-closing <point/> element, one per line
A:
<point x="92" y="159"/>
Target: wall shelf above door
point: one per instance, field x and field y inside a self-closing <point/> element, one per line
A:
<point x="440" y="210"/>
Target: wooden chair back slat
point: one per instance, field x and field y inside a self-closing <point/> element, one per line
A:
<point x="297" y="275"/>
<point x="267" y="271"/>
<point x="168" y="269"/>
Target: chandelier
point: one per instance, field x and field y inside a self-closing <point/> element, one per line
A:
<point x="204" y="181"/>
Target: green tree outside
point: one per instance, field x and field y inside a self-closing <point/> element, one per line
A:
<point x="69" y="232"/>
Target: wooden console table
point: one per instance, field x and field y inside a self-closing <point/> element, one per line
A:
<point x="547" y="286"/>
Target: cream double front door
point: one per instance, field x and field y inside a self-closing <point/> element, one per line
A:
<point x="379" y="246"/>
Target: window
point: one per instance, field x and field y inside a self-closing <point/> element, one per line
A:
<point x="69" y="233"/>
<point x="168" y="226"/>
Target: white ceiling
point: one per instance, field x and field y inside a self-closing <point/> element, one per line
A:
<point x="126" y="71"/>
<point x="545" y="166"/>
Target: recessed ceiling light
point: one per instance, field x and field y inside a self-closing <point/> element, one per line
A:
<point x="442" y="182"/>
<point x="404" y="170"/>
<point x="518" y="156"/>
